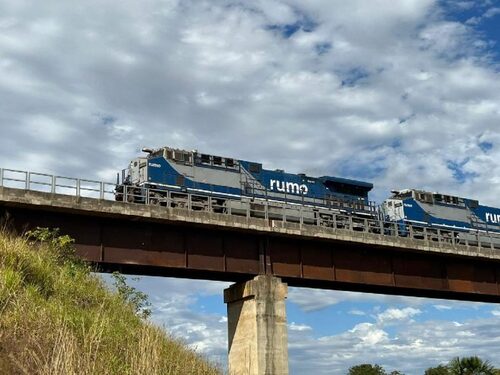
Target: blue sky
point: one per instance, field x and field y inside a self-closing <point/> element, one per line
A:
<point x="399" y="93"/>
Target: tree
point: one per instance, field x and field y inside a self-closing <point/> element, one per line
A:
<point x="367" y="369"/>
<point x="440" y="370"/>
<point x="470" y="366"/>
<point x="135" y="298"/>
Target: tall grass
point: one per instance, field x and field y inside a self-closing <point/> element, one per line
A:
<point x="56" y="317"/>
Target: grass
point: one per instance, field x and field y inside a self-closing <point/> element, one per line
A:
<point x="56" y="317"/>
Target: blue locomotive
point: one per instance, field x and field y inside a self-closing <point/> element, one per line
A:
<point x="224" y="184"/>
<point x="441" y="211"/>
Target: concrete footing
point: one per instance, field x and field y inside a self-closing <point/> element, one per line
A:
<point x="258" y="342"/>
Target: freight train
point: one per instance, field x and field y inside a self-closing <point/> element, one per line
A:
<point x="180" y="178"/>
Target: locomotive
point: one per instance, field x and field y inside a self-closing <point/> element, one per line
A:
<point x="166" y="176"/>
<point x="440" y="211"/>
<point x="178" y="178"/>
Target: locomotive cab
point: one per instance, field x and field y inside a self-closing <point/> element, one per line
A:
<point x="393" y="208"/>
<point x="138" y="171"/>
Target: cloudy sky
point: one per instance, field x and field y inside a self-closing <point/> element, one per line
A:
<point x="400" y="93"/>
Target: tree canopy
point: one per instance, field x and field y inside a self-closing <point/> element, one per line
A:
<point x="464" y="366"/>
<point x="457" y="366"/>
<point x="470" y="366"/>
<point x="367" y="369"/>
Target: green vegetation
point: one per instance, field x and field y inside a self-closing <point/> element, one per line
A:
<point x="366" y="369"/>
<point x="56" y="317"/>
<point x="457" y="366"/>
<point x="440" y="370"/>
<point x="464" y="366"/>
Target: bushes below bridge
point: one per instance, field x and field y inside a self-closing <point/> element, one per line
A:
<point x="56" y="317"/>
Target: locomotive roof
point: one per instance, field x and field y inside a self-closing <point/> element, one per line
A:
<point x="435" y="195"/>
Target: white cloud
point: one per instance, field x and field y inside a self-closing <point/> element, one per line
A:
<point x="394" y="314"/>
<point x="368" y="335"/>
<point x="442" y="307"/>
<point x="357" y="312"/>
<point x="489" y="13"/>
<point x="492" y="12"/>
<point x="414" y="348"/>
<point x="317" y="299"/>
<point x="299" y="327"/>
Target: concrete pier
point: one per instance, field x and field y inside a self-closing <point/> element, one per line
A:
<point x="258" y="340"/>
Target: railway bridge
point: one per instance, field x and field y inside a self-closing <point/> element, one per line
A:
<point x="261" y="256"/>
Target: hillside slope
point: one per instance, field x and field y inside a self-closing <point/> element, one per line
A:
<point x="56" y="317"/>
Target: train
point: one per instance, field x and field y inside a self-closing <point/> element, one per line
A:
<point x="179" y="178"/>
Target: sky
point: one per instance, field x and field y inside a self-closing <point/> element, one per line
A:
<point x="399" y="93"/>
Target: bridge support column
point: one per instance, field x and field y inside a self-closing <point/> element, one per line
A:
<point x="258" y="341"/>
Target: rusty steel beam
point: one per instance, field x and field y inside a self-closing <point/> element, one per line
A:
<point x="148" y="247"/>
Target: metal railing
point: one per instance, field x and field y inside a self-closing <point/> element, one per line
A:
<point x="54" y="184"/>
<point x="276" y="213"/>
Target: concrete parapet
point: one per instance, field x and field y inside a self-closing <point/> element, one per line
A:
<point x="257" y="329"/>
<point x="98" y="207"/>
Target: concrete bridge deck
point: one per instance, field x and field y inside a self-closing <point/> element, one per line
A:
<point x="157" y="240"/>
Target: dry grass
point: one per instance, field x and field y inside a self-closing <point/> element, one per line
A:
<point x="57" y="318"/>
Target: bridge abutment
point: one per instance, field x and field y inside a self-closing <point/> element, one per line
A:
<point x="257" y="328"/>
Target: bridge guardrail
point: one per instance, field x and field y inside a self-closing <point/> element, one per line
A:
<point x="274" y="212"/>
<point x="54" y="184"/>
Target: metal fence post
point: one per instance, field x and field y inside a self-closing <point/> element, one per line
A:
<point x="77" y="187"/>
<point x="1" y="176"/>
<point x="53" y="183"/>
<point x="101" y="192"/>
<point x="27" y="176"/>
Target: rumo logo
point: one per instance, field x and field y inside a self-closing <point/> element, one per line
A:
<point x="288" y="187"/>
<point x="493" y="218"/>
